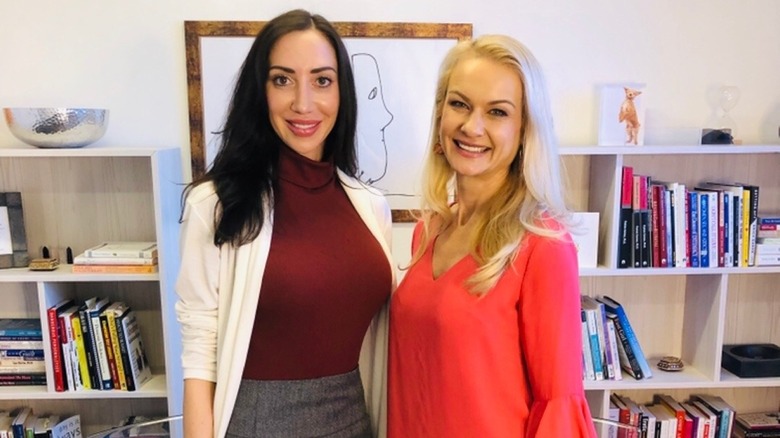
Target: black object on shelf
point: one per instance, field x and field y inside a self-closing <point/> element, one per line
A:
<point x="752" y="360"/>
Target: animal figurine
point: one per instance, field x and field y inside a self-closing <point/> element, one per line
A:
<point x="629" y="116"/>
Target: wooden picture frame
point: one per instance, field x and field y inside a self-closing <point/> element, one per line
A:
<point x="372" y="45"/>
<point x="13" y="240"/>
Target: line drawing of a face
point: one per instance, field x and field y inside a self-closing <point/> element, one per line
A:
<point x="373" y="118"/>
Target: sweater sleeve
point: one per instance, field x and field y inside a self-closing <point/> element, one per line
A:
<point x="197" y="289"/>
<point x="551" y="342"/>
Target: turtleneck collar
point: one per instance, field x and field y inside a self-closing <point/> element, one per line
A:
<point x="304" y="172"/>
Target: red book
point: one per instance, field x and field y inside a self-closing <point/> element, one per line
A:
<point x="684" y="423"/>
<point x="627" y="187"/>
<point x="55" y="336"/>
<point x="655" y="224"/>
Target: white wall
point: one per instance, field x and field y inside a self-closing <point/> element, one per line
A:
<point x="129" y="56"/>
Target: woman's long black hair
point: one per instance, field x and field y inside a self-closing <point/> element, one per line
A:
<point x="245" y="169"/>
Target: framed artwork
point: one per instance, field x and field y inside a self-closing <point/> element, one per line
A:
<point x="622" y="114"/>
<point x="396" y="68"/>
<point x="13" y="241"/>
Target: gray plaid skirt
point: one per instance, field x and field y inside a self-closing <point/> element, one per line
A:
<point x="330" y="406"/>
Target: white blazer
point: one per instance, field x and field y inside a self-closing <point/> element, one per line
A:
<point x="219" y="288"/>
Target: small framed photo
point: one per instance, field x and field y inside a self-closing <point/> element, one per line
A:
<point x="622" y="114"/>
<point x="13" y="241"/>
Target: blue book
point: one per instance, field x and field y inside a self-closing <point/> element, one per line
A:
<point x="26" y="354"/>
<point x="589" y="307"/>
<point x="693" y="227"/>
<point x="621" y="318"/>
<point x="704" y="231"/>
<point x="21" y="327"/>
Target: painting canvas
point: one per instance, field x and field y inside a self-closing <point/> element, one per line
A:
<point x="622" y="114"/>
<point x="13" y="241"/>
<point x="395" y="66"/>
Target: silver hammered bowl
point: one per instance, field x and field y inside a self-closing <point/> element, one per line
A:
<point x="57" y="127"/>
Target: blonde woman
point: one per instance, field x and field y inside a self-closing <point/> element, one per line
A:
<point x="485" y="327"/>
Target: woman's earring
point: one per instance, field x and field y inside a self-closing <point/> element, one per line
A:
<point x="437" y="149"/>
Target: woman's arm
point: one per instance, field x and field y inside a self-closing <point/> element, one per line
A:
<point x="198" y="408"/>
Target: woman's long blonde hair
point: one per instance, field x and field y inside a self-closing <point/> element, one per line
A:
<point x="532" y="193"/>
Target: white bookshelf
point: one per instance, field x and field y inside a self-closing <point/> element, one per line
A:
<point x="77" y="198"/>
<point x="686" y="312"/>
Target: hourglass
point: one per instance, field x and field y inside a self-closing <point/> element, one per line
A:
<point x="721" y="126"/>
<point x="727" y="100"/>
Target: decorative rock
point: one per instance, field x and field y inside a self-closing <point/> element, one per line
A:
<point x="670" y="363"/>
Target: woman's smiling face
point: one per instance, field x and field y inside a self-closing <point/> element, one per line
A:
<point x="481" y="122"/>
<point x="303" y="91"/>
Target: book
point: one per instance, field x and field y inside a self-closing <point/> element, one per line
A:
<point x="701" y="422"/>
<point x="95" y="307"/>
<point x="612" y="349"/>
<point x="140" y="372"/>
<point x="23" y="379"/>
<point x="121" y="359"/>
<point x="587" y="354"/>
<point x="143" y="250"/>
<point x="114" y="269"/>
<point x="79" y="351"/>
<point x="107" y="341"/>
<point x="589" y="307"/>
<point x="684" y="423"/>
<point x="723" y="410"/>
<point x="67" y="345"/>
<point x="69" y="427"/>
<point x="81" y="259"/>
<point x="24" y="354"/>
<point x="19" y="423"/>
<point x="666" y="422"/>
<point x="55" y="335"/>
<point x="21" y="327"/>
<point x="630" y="340"/>
<point x="759" y="420"/>
<point x="741" y="432"/>
<point x="89" y="348"/>
<point x="44" y="424"/>
<point x="625" y="234"/>
<point x="693" y="226"/>
<point x="712" y="416"/>
<point x="677" y="199"/>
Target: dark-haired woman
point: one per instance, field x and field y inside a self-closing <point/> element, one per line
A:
<point x="285" y="259"/>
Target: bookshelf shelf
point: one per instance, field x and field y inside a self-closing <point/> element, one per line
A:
<point x="77" y="198"/>
<point x="685" y="312"/>
<point x="649" y="272"/>
<point x="64" y="274"/>
<point x="155" y="388"/>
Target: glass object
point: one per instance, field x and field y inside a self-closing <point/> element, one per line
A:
<point x="727" y="100"/>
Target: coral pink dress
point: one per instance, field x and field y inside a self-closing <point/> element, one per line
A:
<point x="506" y="365"/>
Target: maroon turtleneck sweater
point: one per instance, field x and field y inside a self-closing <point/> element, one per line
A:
<point x="325" y="278"/>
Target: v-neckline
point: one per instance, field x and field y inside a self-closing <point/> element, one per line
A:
<point x="432" y="254"/>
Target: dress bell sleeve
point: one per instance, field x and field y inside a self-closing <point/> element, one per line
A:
<point x="197" y="290"/>
<point x="551" y="344"/>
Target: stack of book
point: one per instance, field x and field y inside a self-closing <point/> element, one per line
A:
<point x="700" y="416"/>
<point x="118" y="258"/>
<point x="709" y="224"/>
<point x="23" y="422"/>
<point x="768" y="243"/>
<point x="609" y="342"/>
<point x="757" y="425"/>
<point x="96" y="345"/>
<point x="21" y="353"/>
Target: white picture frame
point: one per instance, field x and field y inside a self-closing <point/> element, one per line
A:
<point x="622" y="114"/>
